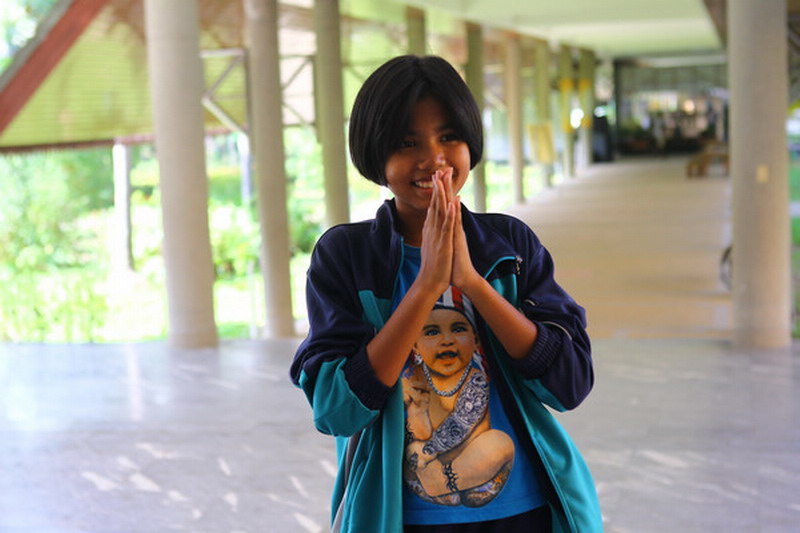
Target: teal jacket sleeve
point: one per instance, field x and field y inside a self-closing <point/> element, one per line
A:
<point x="559" y="366"/>
<point x="331" y="364"/>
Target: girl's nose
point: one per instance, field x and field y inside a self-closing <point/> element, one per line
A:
<point x="432" y="158"/>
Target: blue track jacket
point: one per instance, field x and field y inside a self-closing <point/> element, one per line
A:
<point x="351" y="282"/>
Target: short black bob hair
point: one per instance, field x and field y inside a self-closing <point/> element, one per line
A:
<point x="384" y="106"/>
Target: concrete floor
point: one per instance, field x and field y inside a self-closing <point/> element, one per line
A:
<point x="682" y="433"/>
<point x="639" y="246"/>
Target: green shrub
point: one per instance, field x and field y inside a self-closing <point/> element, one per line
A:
<point x="234" y="241"/>
<point x="51" y="248"/>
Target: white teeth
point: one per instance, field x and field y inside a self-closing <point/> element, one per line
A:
<point x="424" y="184"/>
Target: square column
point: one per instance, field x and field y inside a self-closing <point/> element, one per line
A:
<point x="176" y="88"/>
<point x="757" y="63"/>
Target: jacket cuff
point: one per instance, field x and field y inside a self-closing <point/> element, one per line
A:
<point x="544" y="352"/>
<point x="364" y="383"/>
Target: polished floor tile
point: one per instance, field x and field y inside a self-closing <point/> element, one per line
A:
<point x="681" y="436"/>
<point x="682" y="433"/>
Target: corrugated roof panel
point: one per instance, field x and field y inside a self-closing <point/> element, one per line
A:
<point x="98" y="91"/>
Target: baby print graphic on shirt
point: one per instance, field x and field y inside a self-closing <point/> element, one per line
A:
<point x="453" y="456"/>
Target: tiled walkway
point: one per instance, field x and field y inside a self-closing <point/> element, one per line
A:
<point x="682" y="433"/>
<point x="639" y="246"/>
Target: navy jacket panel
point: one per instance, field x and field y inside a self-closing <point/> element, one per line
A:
<point x="561" y="357"/>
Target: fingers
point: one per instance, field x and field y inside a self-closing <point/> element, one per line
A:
<point x="442" y="197"/>
<point x="438" y="197"/>
<point x="443" y="193"/>
<point x="447" y="181"/>
<point x="446" y="178"/>
<point x="459" y="238"/>
<point x="437" y="237"/>
<point x="463" y="274"/>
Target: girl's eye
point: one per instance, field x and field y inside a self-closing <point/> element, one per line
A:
<point x="459" y="329"/>
<point x="407" y="143"/>
<point x="430" y="332"/>
<point x="449" y="137"/>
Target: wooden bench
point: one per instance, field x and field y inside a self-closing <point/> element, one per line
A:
<point x="713" y="152"/>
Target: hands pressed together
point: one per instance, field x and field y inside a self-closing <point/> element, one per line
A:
<point x="445" y="255"/>
<point x="445" y="262"/>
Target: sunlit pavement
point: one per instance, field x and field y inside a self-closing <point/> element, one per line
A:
<point x="682" y="433"/>
<point x="639" y="245"/>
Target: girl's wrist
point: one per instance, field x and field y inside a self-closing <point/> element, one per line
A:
<point x="422" y="288"/>
<point x="473" y="285"/>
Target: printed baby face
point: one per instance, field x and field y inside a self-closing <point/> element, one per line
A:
<point x="447" y="342"/>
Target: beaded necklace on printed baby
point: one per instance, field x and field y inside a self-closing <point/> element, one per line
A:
<point x="450" y="392"/>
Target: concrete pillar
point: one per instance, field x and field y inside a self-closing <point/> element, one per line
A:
<point x="176" y="87"/>
<point x="122" y="254"/>
<point x="542" y="94"/>
<point x="266" y="142"/>
<point x="474" y="76"/>
<point x="586" y="71"/>
<point x="566" y="88"/>
<point x="245" y="166"/>
<point x="513" y="98"/>
<point x="415" y="30"/>
<point x="757" y="63"/>
<point x="330" y="110"/>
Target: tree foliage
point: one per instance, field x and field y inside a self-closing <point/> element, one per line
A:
<point x="49" y="253"/>
<point x="18" y="22"/>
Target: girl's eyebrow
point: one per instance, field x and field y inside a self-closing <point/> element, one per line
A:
<point x="444" y="127"/>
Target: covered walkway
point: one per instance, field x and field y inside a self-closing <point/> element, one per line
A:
<point x="639" y="245"/>
<point x="682" y="432"/>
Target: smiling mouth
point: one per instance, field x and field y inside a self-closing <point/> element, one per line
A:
<point x="447" y="355"/>
<point x="426" y="184"/>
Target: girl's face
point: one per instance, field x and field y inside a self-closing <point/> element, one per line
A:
<point x="447" y="342"/>
<point x="429" y="144"/>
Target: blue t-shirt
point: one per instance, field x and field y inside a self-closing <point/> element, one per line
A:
<point x="463" y="461"/>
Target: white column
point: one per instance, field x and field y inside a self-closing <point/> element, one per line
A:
<point x="757" y="59"/>
<point x="122" y="254"/>
<point x="266" y="143"/>
<point x="586" y="95"/>
<point x="474" y="75"/>
<point x="415" y="30"/>
<point x="176" y="87"/>
<point x="542" y="69"/>
<point x="513" y="97"/>
<point x="566" y="87"/>
<point x="330" y="110"/>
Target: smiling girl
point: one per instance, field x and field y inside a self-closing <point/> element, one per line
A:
<point x="477" y="447"/>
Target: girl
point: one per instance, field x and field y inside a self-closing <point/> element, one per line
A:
<point x="415" y="128"/>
